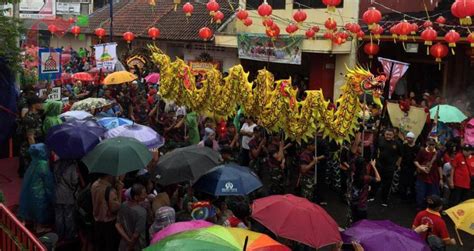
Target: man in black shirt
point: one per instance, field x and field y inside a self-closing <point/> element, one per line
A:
<point x="408" y="169"/>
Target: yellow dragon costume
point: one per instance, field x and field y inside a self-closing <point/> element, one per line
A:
<point x="272" y="103"/>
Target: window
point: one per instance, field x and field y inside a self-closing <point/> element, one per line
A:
<point x="276" y="4"/>
<point x="316" y="4"/>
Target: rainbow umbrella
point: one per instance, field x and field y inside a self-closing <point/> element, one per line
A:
<point x="218" y="238"/>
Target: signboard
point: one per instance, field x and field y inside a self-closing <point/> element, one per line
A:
<point x="68" y="8"/>
<point x="413" y="121"/>
<point x="203" y="67"/>
<point x="38" y="9"/>
<point x="106" y="55"/>
<point x="284" y="49"/>
<point x="49" y="67"/>
<point x="55" y="93"/>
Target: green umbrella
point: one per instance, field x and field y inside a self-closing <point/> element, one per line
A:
<point x="447" y="114"/>
<point x="117" y="156"/>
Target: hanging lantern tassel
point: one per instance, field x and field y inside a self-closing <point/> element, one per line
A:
<point x="176" y="3"/>
<point x="452" y="46"/>
<point x="465" y="21"/>
<point x="439" y="60"/>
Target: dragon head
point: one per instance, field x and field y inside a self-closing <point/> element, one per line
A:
<point x="363" y="81"/>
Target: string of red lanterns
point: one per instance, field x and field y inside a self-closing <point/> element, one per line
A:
<point x="153" y="33"/>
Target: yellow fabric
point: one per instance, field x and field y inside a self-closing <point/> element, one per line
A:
<point x="119" y="77"/>
<point x="413" y="122"/>
<point x="463" y="216"/>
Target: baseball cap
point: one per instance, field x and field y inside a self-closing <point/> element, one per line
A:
<point x="410" y="135"/>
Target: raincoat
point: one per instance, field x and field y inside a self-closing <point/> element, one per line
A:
<point x="52" y="109"/>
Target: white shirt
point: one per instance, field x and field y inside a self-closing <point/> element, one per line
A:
<point x="246" y="139"/>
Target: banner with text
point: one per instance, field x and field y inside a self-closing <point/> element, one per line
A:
<point x="284" y="49"/>
<point x="54" y="94"/>
<point x="106" y="55"/>
<point x="49" y="63"/>
<point x="38" y="9"/>
<point x="413" y="121"/>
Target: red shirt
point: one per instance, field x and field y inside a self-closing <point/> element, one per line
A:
<point x="461" y="176"/>
<point x="423" y="158"/>
<point x="436" y="224"/>
<point x="470" y="162"/>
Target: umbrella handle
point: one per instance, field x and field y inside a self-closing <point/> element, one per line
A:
<point x="459" y="237"/>
<point x="245" y="243"/>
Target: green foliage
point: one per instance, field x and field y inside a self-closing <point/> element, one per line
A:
<point x="10" y="31"/>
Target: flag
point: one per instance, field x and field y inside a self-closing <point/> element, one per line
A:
<point x="394" y="70"/>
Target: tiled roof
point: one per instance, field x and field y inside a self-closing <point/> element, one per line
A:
<point x="137" y="16"/>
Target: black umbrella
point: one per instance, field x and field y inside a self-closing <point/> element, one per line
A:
<point x="186" y="164"/>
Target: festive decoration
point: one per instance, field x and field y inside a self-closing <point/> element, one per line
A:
<point x="360" y="35"/>
<point x="268" y="23"/>
<point x="242" y="14"/>
<point x="212" y="6"/>
<point x="218" y="17"/>
<point x="414" y="29"/>
<point x="441" y="21"/>
<point x="128" y="36"/>
<point x="328" y="35"/>
<point x="463" y="9"/>
<point x="310" y="34"/>
<point x="331" y="4"/>
<point x="272" y="103"/>
<point x="452" y="37"/>
<point x="153" y="33"/>
<point x="439" y="51"/>
<point x="205" y="33"/>
<point x="52" y="29"/>
<point x="340" y="38"/>
<point x="371" y="49"/>
<point x="403" y="29"/>
<point x="71" y="20"/>
<point x="354" y="28"/>
<point x="330" y="24"/>
<point x="76" y="30"/>
<point x="188" y="8"/>
<point x="248" y="21"/>
<point x="377" y="31"/>
<point x="393" y="31"/>
<point x="273" y="31"/>
<point x="291" y="28"/>
<point x="427" y="24"/>
<point x="300" y="16"/>
<point x="315" y="28"/>
<point x="100" y="33"/>
<point x="470" y="39"/>
<point x="372" y="16"/>
<point x="429" y="35"/>
<point x="264" y="10"/>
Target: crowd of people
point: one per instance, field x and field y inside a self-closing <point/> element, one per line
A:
<point x="123" y="213"/>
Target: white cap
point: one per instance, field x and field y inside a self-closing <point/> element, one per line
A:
<point x="410" y="135"/>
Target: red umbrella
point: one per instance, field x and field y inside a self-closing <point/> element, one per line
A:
<point x="297" y="219"/>
<point x="82" y="76"/>
<point x="65" y="77"/>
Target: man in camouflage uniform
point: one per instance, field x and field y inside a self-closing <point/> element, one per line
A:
<point x="257" y="150"/>
<point x="307" y="165"/>
<point x="31" y="127"/>
<point x="276" y="164"/>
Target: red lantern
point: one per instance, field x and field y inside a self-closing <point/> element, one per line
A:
<point x="429" y="35"/>
<point x="268" y="23"/>
<point x="188" y="8"/>
<point x="344" y="35"/>
<point x="218" y="16"/>
<point x="338" y="39"/>
<point x="371" y="49"/>
<point x="205" y="33"/>
<point x="315" y="28"/>
<point x="354" y="28"/>
<point x="310" y="34"/>
<point x="52" y="28"/>
<point x="393" y="31"/>
<point x="248" y="21"/>
<point x="427" y="24"/>
<point x="242" y="15"/>
<point x="360" y="35"/>
<point x="76" y="30"/>
<point x="441" y="21"/>
<point x="300" y="16"/>
<point x="212" y="6"/>
<point x="439" y="51"/>
<point x="403" y="29"/>
<point x="377" y="30"/>
<point x="264" y="10"/>
<point x="470" y="39"/>
<point x="331" y="4"/>
<point x="372" y="16"/>
<point x="328" y="35"/>
<point x="100" y="33"/>
<point x="128" y="36"/>
<point x="71" y="20"/>
<point x="414" y="29"/>
<point x="452" y="37"/>
<point x="463" y="9"/>
<point x="291" y="28"/>
<point x="273" y="32"/>
<point x="330" y="24"/>
<point x="153" y="33"/>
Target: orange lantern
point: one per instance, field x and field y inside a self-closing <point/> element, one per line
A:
<point x="371" y="49"/>
<point x="439" y="51"/>
<point x="76" y="30"/>
<point x="218" y="17"/>
<point x="330" y="24"/>
<point x="300" y="16"/>
<point x="310" y="34"/>
<point x="188" y="8"/>
<point x="242" y="14"/>
<point x="205" y="33"/>
<point x="153" y="33"/>
<point x="212" y="6"/>
<point x="248" y="21"/>
<point x="128" y="36"/>
<point x="372" y="16"/>
<point x="264" y="10"/>
<point x="331" y="4"/>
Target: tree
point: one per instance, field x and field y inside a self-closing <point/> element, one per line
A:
<point x="10" y="30"/>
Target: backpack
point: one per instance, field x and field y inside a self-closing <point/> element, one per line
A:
<point x="84" y="211"/>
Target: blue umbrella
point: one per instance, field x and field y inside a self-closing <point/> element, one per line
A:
<point x="73" y="140"/>
<point x="228" y="179"/>
<point x="144" y="134"/>
<point x="112" y="122"/>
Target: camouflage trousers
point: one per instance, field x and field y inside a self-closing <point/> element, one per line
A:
<point x="307" y="187"/>
<point x="277" y="181"/>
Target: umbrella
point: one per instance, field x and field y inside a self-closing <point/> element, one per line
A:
<point x="117" y="156"/>
<point x="95" y="70"/>
<point x="152" y="78"/>
<point x="112" y="122"/>
<point x="218" y="238"/>
<point x="384" y="235"/>
<point x="74" y="140"/>
<point x="179" y="227"/>
<point x="463" y="216"/>
<point x="228" y="180"/>
<point x="297" y="219"/>
<point x="82" y="76"/>
<point x="119" y="77"/>
<point x="144" y="134"/>
<point x="71" y="115"/>
<point x="65" y="77"/>
<point x="447" y="114"/>
<point x="186" y="164"/>
<point x="89" y="104"/>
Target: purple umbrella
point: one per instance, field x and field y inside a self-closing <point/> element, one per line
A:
<point x="179" y="227"/>
<point x="152" y="78"/>
<point x="384" y="235"/>
<point x="144" y="134"/>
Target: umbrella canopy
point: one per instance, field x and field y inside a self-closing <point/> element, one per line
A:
<point x="112" y="122"/>
<point x="65" y="77"/>
<point x="384" y="235"/>
<point x="82" y="76"/>
<point x="447" y="114"/>
<point x="186" y="164"/>
<point x="95" y="70"/>
<point x="89" y="104"/>
<point x="218" y="238"/>
<point x="74" y="140"/>
<point x="71" y="115"/>
<point x="117" y="156"/>
<point x="152" y="78"/>
<point x="228" y="180"/>
<point x="119" y="77"/>
<point x="179" y="227"/>
<point x="144" y="134"/>
<point x="463" y="216"/>
<point x="297" y="219"/>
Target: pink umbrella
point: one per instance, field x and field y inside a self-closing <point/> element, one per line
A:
<point x="152" y="78"/>
<point x="179" y="227"/>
